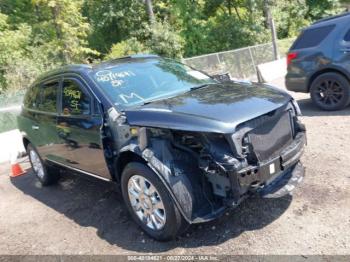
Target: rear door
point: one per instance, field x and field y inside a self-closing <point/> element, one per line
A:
<point x="27" y="120"/>
<point x="46" y="117"/>
<point x="79" y="129"/>
<point x="342" y="49"/>
<point x="39" y="116"/>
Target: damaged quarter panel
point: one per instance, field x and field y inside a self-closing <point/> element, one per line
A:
<point x="171" y="166"/>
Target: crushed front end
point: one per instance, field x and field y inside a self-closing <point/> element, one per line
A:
<point x="271" y="149"/>
<point x="208" y="172"/>
<point x="261" y="157"/>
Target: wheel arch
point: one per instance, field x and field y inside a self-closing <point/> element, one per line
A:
<point x="26" y="142"/>
<point x="124" y="158"/>
<point x="177" y="186"/>
<point x="327" y="70"/>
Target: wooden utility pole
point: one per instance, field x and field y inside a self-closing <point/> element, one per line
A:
<point x="271" y="25"/>
<point x="149" y="8"/>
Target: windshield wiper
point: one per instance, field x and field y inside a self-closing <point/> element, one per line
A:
<point x="167" y="97"/>
<point x="201" y="86"/>
<point x="155" y="100"/>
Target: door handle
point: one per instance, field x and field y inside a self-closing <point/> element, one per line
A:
<point x="35" y="127"/>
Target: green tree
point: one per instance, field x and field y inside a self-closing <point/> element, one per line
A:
<point x="113" y="21"/>
<point x="157" y="38"/>
<point x="67" y="28"/>
<point x="37" y="35"/>
<point x="55" y="33"/>
<point x="13" y="47"/>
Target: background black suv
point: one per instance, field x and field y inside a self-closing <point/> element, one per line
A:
<point x="319" y="63"/>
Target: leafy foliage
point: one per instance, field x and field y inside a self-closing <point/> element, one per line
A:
<point x="127" y="47"/>
<point x="112" y="21"/>
<point x="162" y="40"/>
<point x="37" y="35"/>
<point x="13" y="47"/>
<point x="155" y="38"/>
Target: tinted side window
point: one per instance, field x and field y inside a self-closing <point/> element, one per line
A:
<point x="347" y="36"/>
<point x="312" y="37"/>
<point x="74" y="100"/>
<point x="32" y="97"/>
<point x="49" y="97"/>
<point x="97" y="109"/>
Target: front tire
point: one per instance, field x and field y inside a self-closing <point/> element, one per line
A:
<point x="330" y="92"/>
<point x="47" y="175"/>
<point x="149" y="202"/>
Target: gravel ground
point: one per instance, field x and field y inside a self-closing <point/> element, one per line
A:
<point x="80" y="216"/>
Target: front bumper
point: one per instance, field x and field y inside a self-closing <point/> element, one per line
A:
<point x="288" y="173"/>
<point x="274" y="178"/>
<point x="284" y="184"/>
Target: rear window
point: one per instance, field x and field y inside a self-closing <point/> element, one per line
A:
<point x="312" y="37"/>
<point x="49" y="97"/>
<point x="42" y="97"/>
<point x="32" y="97"/>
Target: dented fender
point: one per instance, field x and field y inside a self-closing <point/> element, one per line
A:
<point x="159" y="159"/>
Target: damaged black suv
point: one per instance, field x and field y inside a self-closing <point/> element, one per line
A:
<point x="181" y="146"/>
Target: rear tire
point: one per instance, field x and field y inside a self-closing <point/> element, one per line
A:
<point x="330" y="91"/>
<point x="173" y="222"/>
<point x="47" y="175"/>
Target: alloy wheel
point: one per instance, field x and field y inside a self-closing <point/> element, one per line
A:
<point x="329" y="92"/>
<point x="36" y="163"/>
<point x="146" y="202"/>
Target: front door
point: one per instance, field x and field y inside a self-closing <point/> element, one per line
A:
<point x="78" y="127"/>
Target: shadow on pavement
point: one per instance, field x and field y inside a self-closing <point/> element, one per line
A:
<point x="309" y="109"/>
<point x="98" y="204"/>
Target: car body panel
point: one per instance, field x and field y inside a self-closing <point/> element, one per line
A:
<point x="67" y="141"/>
<point x="216" y="108"/>
<point x="81" y="145"/>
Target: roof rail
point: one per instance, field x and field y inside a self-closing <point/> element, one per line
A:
<point x="331" y="18"/>
<point x="144" y="56"/>
<point x="61" y="69"/>
<point x="135" y="56"/>
<point x="120" y="59"/>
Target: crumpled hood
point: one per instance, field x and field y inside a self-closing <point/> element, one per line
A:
<point x="217" y="108"/>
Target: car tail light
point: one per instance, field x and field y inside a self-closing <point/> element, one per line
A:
<point x="291" y="57"/>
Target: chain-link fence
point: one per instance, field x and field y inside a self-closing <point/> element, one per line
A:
<point x="240" y="63"/>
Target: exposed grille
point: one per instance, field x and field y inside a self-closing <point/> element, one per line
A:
<point x="270" y="138"/>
